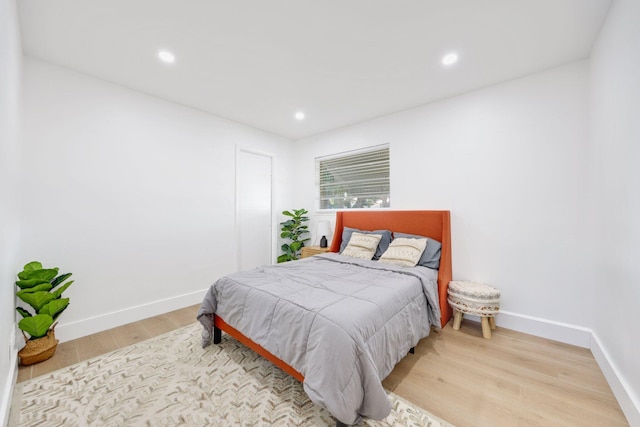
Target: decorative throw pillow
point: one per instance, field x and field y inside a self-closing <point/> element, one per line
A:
<point x="362" y="245"/>
<point x="431" y="255"/>
<point x="404" y="252"/>
<point x="382" y="246"/>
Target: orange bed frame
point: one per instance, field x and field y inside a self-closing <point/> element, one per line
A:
<point x="434" y="224"/>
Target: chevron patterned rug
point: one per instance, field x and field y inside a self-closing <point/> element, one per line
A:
<point x="170" y="380"/>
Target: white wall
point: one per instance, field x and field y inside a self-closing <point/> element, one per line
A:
<point x="510" y="163"/>
<point x="133" y="194"/>
<point x="10" y="64"/>
<point x="615" y="92"/>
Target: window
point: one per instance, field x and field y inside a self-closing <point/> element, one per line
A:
<point x="356" y="179"/>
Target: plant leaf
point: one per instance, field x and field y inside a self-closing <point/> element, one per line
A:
<point x="55" y="307"/>
<point x="61" y="289"/>
<point x="37" y="300"/>
<point x="33" y="265"/>
<point x="43" y="274"/>
<point x="24" y="284"/>
<point x="283" y="258"/>
<point x="38" y="288"/>
<point x="295" y="246"/>
<point x="61" y="278"/>
<point x="23" y="312"/>
<point x="36" y="326"/>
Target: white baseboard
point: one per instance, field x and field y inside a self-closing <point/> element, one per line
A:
<point x="92" y="325"/>
<point x="629" y="403"/>
<point x="557" y="331"/>
<point x="7" y="389"/>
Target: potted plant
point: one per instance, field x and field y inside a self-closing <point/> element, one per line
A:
<point x="41" y="288"/>
<point x="293" y="229"/>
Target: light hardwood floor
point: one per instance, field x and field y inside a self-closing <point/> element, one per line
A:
<point x="514" y="379"/>
<point x="71" y="352"/>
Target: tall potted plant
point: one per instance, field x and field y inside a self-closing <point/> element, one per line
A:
<point x="36" y="288"/>
<point x="293" y="229"/>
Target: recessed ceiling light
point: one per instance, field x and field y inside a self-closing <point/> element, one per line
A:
<point x="166" y="56"/>
<point x="299" y="115"/>
<point x="450" y="59"/>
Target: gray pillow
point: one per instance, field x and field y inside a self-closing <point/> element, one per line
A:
<point x="431" y="255"/>
<point x="382" y="246"/>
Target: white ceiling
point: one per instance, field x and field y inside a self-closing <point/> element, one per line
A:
<point x="257" y="62"/>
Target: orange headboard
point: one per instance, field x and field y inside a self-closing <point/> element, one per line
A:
<point x="434" y="224"/>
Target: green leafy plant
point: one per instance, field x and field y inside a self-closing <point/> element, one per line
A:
<point x="36" y="288"/>
<point x="293" y="229"/>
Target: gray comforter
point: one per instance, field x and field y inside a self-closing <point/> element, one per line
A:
<point x="341" y="322"/>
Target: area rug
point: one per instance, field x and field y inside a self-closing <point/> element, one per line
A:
<point x="170" y="380"/>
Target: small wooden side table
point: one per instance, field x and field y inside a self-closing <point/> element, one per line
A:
<point x="467" y="297"/>
<point x="308" y="251"/>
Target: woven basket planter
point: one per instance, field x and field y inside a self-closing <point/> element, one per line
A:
<point x="38" y="350"/>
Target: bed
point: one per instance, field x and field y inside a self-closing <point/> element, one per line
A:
<point x="354" y="319"/>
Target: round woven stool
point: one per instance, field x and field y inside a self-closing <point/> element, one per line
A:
<point x="474" y="298"/>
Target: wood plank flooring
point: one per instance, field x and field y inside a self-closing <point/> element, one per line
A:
<point x="71" y="352"/>
<point x="513" y="379"/>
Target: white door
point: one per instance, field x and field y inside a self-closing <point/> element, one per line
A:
<point x="253" y="209"/>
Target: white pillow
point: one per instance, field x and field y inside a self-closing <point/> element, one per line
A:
<point x="362" y="245"/>
<point x="404" y="252"/>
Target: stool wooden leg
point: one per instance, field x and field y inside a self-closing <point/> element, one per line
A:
<point x="492" y="322"/>
<point x="457" y="320"/>
<point x="486" y="329"/>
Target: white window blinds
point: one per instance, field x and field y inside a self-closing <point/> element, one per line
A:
<point x="357" y="179"/>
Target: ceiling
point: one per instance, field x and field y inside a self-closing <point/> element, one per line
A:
<point x="341" y="62"/>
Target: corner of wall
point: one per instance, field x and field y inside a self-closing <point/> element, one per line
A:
<point x="629" y="403"/>
<point x="582" y="337"/>
<point x="7" y="389"/>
